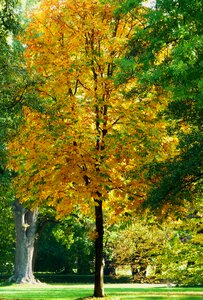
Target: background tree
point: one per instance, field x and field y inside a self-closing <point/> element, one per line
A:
<point x="171" y="58"/>
<point x="8" y="24"/>
<point x="51" y="254"/>
<point x="181" y="262"/>
<point x="138" y="245"/>
<point x="68" y="248"/>
<point x="168" y="251"/>
<point x="79" y="244"/>
<point x="13" y="90"/>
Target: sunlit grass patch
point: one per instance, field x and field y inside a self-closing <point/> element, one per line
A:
<point x="85" y="291"/>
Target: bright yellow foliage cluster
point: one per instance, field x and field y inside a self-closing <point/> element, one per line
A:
<point x="91" y="141"/>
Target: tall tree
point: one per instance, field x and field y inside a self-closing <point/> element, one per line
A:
<point x="8" y="24"/>
<point x="13" y="88"/>
<point x="24" y="218"/>
<point x="171" y="40"/>
<point x="87" y="144"/>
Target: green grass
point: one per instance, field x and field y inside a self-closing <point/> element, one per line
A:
<point x="82" y="291"/>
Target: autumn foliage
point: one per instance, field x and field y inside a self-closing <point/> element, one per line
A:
<point x="91" y="140"/>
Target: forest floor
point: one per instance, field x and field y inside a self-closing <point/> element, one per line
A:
<point x="112" y="291"/>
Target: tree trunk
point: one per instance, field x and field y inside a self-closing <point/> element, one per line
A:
<point x="99" y="259"/>
<point x="25" y="227"/>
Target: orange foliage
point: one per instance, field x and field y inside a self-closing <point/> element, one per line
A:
<point x="91" y="142"/>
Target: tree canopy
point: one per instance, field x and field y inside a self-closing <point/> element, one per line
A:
<point x="90" y="137"/>
<point x="171" y="57"/>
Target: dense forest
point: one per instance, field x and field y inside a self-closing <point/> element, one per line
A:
<point x="101" y="139"/>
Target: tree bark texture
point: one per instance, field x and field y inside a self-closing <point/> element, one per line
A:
<point x="99" y="259"/>
<point x="25" y="228"/>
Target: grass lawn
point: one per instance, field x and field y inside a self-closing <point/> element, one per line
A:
<point x="83" y="291"/>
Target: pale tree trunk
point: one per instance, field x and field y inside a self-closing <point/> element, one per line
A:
<point x="99" y="257"/>
<point x="25" y="227"/>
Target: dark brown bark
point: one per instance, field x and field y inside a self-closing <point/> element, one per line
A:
<point x="99" y="259"/>
<point x="25" y="227"/>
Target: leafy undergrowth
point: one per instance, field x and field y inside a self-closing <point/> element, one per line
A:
<point x="84" y="291"/>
